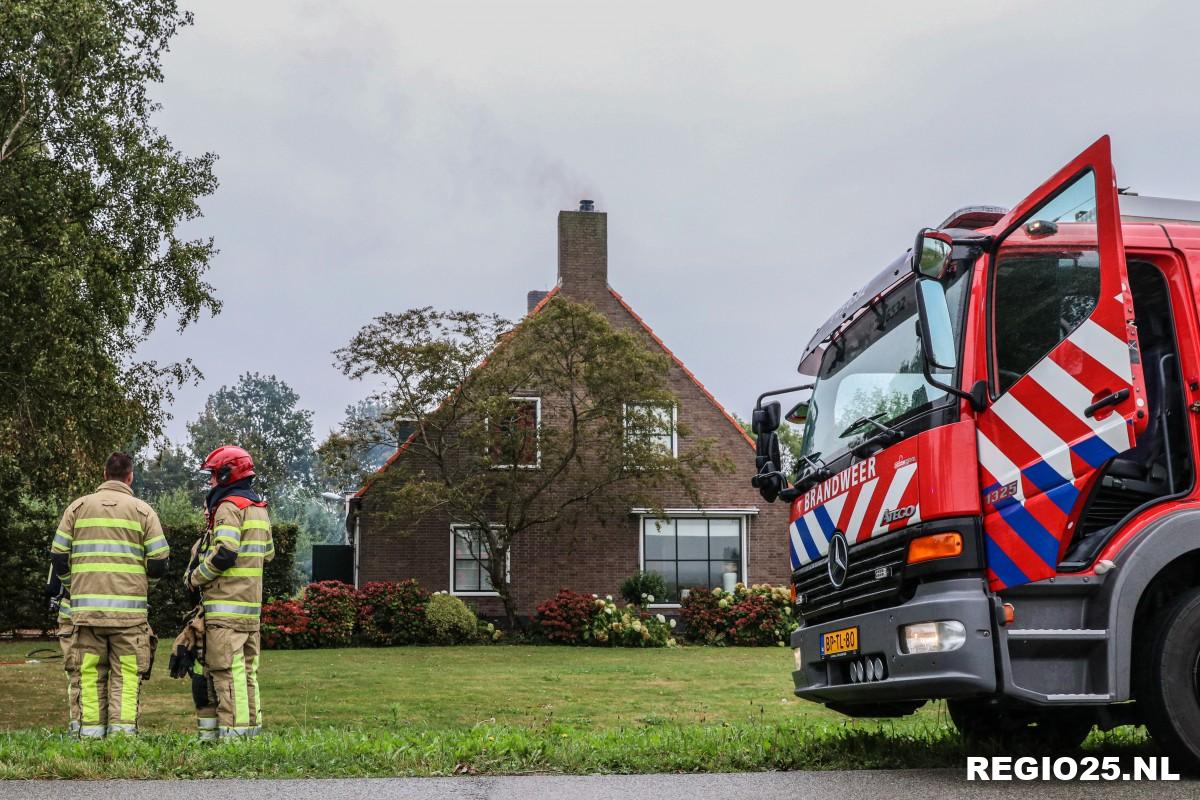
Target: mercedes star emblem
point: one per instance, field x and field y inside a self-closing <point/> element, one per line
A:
<point x="839" y="559"/>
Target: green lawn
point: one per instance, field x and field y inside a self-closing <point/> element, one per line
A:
<point x="455" y="687"/>
<point x="499" y="709"/>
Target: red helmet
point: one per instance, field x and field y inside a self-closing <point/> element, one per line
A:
<point x="229" y="463"/>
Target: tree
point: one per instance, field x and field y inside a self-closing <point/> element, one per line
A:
<point x="259" y="414"/>
<point x="361" y="445"/>
<point x="170" y="468"/>
<point x="91" y="198"/>
<point x="480" y="456"/>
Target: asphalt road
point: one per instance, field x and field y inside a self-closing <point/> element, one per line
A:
<point x="864" y="785"/>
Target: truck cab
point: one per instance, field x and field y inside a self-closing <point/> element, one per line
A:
<point x="996" y="501"/>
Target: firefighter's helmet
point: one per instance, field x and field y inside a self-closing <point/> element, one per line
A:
<point x="228" y="463"/>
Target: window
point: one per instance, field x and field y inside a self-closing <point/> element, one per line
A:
<point x="651" y="425"/>
<point x="693" y="551"/>
<point x="513" y="439"/>
<point x="1043" y="289"/>
<point x="469" y="555"/>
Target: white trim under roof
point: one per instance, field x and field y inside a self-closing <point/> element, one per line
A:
<point x="700" y="512"/>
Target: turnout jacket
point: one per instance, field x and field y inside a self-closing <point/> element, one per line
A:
<point x="230" y="568"/>
<point x="101" y="551"/>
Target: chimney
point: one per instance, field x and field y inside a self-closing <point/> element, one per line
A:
<point x="583" y="251"/>
<point x="533" y="298"/>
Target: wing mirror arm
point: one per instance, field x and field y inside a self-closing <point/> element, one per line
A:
<point x="977" y="397"/>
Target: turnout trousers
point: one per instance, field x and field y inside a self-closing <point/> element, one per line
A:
<point x="104" y="668"/>
<point x="65" y="629"/>
<point x="229" y="688"/>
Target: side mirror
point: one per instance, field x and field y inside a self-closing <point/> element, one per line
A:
<point x="765" y="419"/>
<point x="798" y="414"/>
<point x="767" y="456"/>
<point x="937" y="332"/>
<point x="931" y="254"/>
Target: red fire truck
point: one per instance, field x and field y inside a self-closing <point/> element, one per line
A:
<point x="996" y="500"/>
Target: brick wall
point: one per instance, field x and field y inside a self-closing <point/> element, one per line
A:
<point x="601" y="548"/>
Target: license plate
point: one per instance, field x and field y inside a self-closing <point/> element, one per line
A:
<point x="839" y="643"/>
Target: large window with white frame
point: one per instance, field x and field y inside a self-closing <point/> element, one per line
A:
<point x="694" y="551"/>
<point x="469" y="555"/>
<point x="653" y="425"/>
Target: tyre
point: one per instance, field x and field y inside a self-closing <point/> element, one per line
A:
<point x="1020" y="729"/>
<point x="1167" y="686"/>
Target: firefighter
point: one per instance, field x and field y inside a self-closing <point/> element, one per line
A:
<point x="227" y="569"/>
<point x="107" y="548"/>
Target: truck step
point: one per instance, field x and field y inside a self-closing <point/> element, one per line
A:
<point x="1060" y="634"/>
<point x="1082" y="699"/>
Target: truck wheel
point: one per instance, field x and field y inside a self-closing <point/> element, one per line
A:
<point x="987" y="724"/>
<point x="1167" y="687"/>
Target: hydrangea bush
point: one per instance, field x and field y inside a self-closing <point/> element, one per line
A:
<point x="332" y="608"/>
<point x="284" y="626"/>
<point x="630" y="626"/>
<point x="392" y="613"/>
<point x="759" y="615"/>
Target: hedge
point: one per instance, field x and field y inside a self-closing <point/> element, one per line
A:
<point x="25" y="561"/>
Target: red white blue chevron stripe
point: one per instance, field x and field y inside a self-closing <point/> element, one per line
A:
<point x="1038" y="452"/>
<point x="857" y="501"/>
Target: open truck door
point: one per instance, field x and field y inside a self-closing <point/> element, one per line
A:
<point x="1066" y="393"/>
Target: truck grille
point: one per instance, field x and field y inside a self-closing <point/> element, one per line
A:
<point x="875" y="575"/>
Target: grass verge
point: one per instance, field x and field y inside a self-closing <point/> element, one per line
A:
<point x="497" y="749"/>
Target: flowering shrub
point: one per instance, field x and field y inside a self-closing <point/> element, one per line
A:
<point x="641" y="588"/>
<point x="627" y="627"/>
<point x="564" y="617"/>
<point x="284" y="626"/>
<point x="488" y="632"/>
<point x="393" y="613"/>
<point x="331" y="607"/>
<point x="756" y="615"/>
<point x="449" y="619"/>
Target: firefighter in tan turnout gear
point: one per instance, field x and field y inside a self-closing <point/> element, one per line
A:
<point x="227" y="568"/>
<point x="107" y="547"/>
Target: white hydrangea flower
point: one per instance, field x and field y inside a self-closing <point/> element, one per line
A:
<point x="660" y="618"/>
<point x="649" y="598"/>
<point x="672" y="622"/>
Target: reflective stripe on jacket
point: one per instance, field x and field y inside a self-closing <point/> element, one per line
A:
<point x="110" y="535"/>
<point x="233" y="596"/>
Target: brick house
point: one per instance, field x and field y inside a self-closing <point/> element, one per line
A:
<point x="731" y="535"/>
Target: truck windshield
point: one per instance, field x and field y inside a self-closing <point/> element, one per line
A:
<point x="873" y="369"/>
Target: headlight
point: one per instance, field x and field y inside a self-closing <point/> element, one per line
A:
<point x="932" y="637"/>
<point x="799" y="659"/>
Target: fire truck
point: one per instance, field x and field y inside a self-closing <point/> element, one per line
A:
<point x="996" y="502"/>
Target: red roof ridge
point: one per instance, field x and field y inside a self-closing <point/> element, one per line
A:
<point x="404" y="445"/>
<point x="679" y="363"/>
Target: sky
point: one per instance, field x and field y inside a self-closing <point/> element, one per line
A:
<point x="758" y="162"/>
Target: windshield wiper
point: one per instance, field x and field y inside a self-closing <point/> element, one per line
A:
<point x="862" y="422"/>
<point x="883" y="437"/>
<point x="816" y="472"/>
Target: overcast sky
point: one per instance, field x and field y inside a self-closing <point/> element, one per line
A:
<point x="758" y="162"/>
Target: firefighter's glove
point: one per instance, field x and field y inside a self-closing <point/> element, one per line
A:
<point x="182" y="660"/>
<point x="184" y="650"/>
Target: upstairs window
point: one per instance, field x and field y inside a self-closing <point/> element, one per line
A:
<point x="514" y="436"/>
<point x="652" y="426"/>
